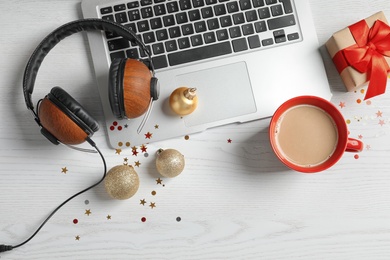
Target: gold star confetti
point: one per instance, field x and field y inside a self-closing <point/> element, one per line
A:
<point x="125" y="159"/>
<point x="137" y="163"/>
<point x="118" y="151"/>
<point x="142" y="202"/>
<point x="159" y="181"/>
<point x="108" y="217"/>
<point x="152" y="205"/>
<point x="64" y="170"/>
<point x="88" y="212"/>
<point x="156" y="126"/>
<point x="77" y="238"/>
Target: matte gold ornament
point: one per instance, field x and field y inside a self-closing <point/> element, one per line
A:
<point x="121" y="182"/>
<point x="169" y="162"/>
<point x="183" y="101"/>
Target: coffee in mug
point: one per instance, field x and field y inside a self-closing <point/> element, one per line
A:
<point x="309" y="134"/>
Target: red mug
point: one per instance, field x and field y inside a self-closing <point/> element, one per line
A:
<point x="309" y="134"/>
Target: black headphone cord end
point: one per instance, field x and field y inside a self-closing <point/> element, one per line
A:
<point x="5" y="248"/>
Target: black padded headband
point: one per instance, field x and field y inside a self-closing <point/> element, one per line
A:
<point x="64" y="31"/>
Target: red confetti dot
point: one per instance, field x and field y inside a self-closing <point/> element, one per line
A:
<point x="356" y="156"/>
<point x="119" y="128"/>
<point x="143" y="219"/>
<point x="112" y="128"/>
<point x="75" y="221"/>
<point x="115" y="123"/>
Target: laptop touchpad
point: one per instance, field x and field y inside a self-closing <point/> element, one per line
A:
<point x="223" y="92"/>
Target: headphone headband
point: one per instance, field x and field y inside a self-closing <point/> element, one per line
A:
<point x="64" y="31"/>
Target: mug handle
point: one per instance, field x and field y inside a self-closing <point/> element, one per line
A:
<point x="354" y="145"/>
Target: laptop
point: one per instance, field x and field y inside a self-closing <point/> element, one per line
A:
<point x="244" y="57"/>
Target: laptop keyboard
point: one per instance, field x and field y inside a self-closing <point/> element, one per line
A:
<point x="179" y="32"/>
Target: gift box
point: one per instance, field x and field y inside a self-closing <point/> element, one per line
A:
<point x="361" y="53"/>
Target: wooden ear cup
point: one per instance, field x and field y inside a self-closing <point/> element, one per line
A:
<point x="55" y="121"/>
<point x="136" y="88"/>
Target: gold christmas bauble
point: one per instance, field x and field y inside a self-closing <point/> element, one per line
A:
<point x="183" y="101"/>
<point x="169" y="162"/>
<point x="121" y="182"/>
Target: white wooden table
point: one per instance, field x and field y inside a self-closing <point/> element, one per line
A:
<point x="234" y="200"/>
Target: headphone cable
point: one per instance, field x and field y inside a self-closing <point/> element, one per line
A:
<point x="4" y="248"/>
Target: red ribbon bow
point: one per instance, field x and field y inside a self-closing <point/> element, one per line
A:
<point x="367" y="55"/>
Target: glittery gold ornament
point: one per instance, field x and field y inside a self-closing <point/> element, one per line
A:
<point x="121" y="182"/>
<point x="183" y="101"/>
<point x="169" y="162"/>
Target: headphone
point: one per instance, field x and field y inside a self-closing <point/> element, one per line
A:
<point x="132" y="87"/>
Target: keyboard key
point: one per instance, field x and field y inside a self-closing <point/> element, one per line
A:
<point x="132" y="53"/>
<point x="293" y="36"/>
<point x="121" y="17"/>
<point x="108" y="18"/>
<point x="185" y="4"/>
<point x="196" y="40"/>
<point x="174" y="32"/>
<point x="172" y="7"/>
<point x="219" y="9"/>
<point x="211" y="2"/>
<point x="267" y="42"/>
<point x="276" y="10"/>
<point x="251" y="16"/>
<point x="171" y="45"/>
<point x="156" y="23"/>
<point x="258" y="3"/>
<point x="146" y="2"/>
<point x="209" y="37"/>
<point x="254" y="41"/>
<point x="168" y="20"/>
<point x="281" y="22"/>
<point x="120" y="7"/>
<point x="212" y="24"/>
<point x="232" y="7"/>
<point x="158" y="48"/>
<point x="245" y="4"/>
<point x="226" y="21"/>
<point x="238" y="18"/>
<point x="143" y="26"/>
<point x="264" y="13"/>
<point x="159" y="62"/>
<point x="132" y="5"/>
<point x="287" y="6"/>
<point x="106" y="10"/>
<point x="194" y="15"/>
<point x="118" y="44"/>
<point x="197" y="3"/>
<point x="222" y="35"/>
<point x="134" y="15"/>
<point x="181" y="18"/>
<point x="146" y="12"/>
<point x="117" y="55"/>
<point x="149" y="37"/>
<point x="271" y="2"/>
<point x="260" y="26"/>
<point x="239" y="45"/>
<point x="235" y="32"/>
<point x="184" y="43"/>
<point x="247" y="29"/>
<point x="199" y="53"/>
<point x="187" y="29"/>
<point x="200" y="26"/>
<point x="159" y="10"/>
<point x="207" y="12"/>
<point x="162" y="35"/>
